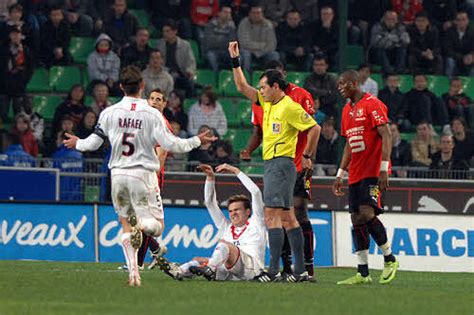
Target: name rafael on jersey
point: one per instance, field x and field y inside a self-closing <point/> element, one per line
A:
<point x="130" y="123"/>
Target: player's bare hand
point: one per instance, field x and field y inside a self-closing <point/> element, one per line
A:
<point x="383" y="181"/>
<point x="206" y="169"/>
<point x="226" y="168"/>
<point x="336" y="187"/>
<point x="207" y="137"/>
<point x="234" y="49"/>
<point x="245" y="155"/>
<point x="70" y="141"/>
<point x="306" y="164"/>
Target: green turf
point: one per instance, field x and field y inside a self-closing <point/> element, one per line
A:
<point x="87" y="288"/>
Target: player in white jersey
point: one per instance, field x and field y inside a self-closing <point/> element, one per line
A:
<point x="240" y="253"/>
<point x="134" y="129"/>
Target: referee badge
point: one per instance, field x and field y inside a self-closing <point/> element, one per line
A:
<point x="305" y="117"/>
<point x="276" y="128"/>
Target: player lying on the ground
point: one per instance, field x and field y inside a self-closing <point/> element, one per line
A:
<point x="239" y="255"/>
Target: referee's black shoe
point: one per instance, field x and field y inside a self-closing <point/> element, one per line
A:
<point x="303" y="277"/>
<point x="265" y="276"/>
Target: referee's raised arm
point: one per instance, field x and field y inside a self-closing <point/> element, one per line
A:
<point x="239" y="78"/>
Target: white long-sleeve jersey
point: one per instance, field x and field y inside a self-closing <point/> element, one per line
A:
<point x="251" y="238"/>
<point x="134" y="130"/>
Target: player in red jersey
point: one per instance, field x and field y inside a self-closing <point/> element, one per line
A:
<point x="302" y="191"/>
<point x="367" y="158"/>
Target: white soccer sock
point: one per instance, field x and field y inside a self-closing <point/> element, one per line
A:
<point x="386" y="249"/>
<point x="362" y="257"/>
<point x="185" y="267"/>
<point x="130" y="253"/>
<point x="219" y="256"/>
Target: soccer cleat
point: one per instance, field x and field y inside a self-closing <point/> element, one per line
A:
<point x="125" y="267"/>
<point x="170" y="268"/>
<point x="357" y="279"/>
<point x="303" y="277"/>
<point x="264" y="276"/>
<point x="204" y="271"/>
<point x="389" y="271"/>
<point x="160" y="252"/>
<point x="136" y="237"/>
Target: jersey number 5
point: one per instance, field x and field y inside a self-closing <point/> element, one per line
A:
<point x="126" y="142"/>
<point x="357" y="144"/>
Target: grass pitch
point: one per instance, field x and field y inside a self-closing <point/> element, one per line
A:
<point x="30" y="287"/>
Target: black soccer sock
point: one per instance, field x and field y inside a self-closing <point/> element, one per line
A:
<point x="295" y="237"/>
<point x="379" y="234"/>
<point x="308" y="235"/>
<point x="276" y="238"/>
<point x="363" y="270"/>
<point x="360" y="236"/>
<point x="286" y="256"/>
<point x="142" y="250"/>
<point x="153" y="244"/>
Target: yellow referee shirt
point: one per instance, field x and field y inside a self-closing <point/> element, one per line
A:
<point x="281" y="124"/>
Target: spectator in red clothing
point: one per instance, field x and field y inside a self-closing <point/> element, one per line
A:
<point x="201" y="13"/>
<point x="23" y="130"/>
<point x="407" y="9"/>
<point x="457" y="102"/>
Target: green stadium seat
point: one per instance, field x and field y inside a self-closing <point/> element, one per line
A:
<point x="406" y="83"/>
<point x="39" y="81"/>
<point x="188" y="103"/>
<point x="241" y="139"/>
<point x="80" y="48"/>
<point x="63" y="78"/>
<point x="46" y="105"/>
<point x="245" y="112"/>
<point x="153" y="42"/>
<point x="114" y="99"/>
<point x="88" y="100"/>
<point x="230" y="110"/>
<point x="468" y="87"/>
<point x="353" y="56"/>
<point x="207" y="77"/>
<point x="196" y="53"/>
<point x="408" y="136"/>
<point x="226" y="83"/>
<point x="438" y="84"/>
<point x="256" y="77"/>
<point x="377" y="77"/>
<point x="296" y="77"/>
<point x="142" y="17"/>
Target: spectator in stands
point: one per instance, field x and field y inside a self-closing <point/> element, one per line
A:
<point x="81" y="23"/>
<point x="368" y="85"/>
<point x="73" y="108"/>
<point x="424" y="145"/>
<point x="257" y="39"/>
<point x="324" y="35"/>
<point x="319" y="116"/>
<point x="424" y="51"/>
<point x="459" y="47"/>
<point x="103" y="65"/>
<point x="446" y="161"/>
<point x="203" y="154"/>
<point x="308" y="9"/>
<point x="458" y="104"/>
<point x="97" y="10"/>
<point x="292" y="42"/>
<point x="421" y="104"/>
<point x="55" y="38"/>
<point x="16" y="20"/>
<point x="323" y="85"/>
<point x="276" y="10"/>
<point x="178" y="11"/>
<point x="390" y="40"/>
<point x="393" y="98"/>
<point x="15" y="155"/>
<point x="463" y="139"/>
<point x="16" y="68"/>
<point x="100" y="97"/>
<point x="330" y="146"/>
<point x="174" y="110"/>
<point x="401" y="151"/>
<point x="138" y="53"/>
<point x="207" y="111"/>
<point x="224" y="153"/>
<point x="179" y="58"/>
<point x="218" y="33"/>
<point x="4" y="6"/>
<point x="407" y="10"/>
<point x="87" y="127"/>
<point x="441" y="12"/>
<point x="202" y="11"/>
<point x="37" y="127"/>
<point x="69" y="161"/>
<point x="22" y="129"/>
<point x="156" y="75"/>
<point x="120" y="24"/>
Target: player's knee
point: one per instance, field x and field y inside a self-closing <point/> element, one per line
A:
<point x="272" y="221"/>
<point x="152" y="227"/>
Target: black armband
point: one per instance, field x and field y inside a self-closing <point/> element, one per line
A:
<point x="235" y="62"/>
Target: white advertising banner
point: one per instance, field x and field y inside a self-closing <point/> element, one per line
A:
<point x="420" y="242"/>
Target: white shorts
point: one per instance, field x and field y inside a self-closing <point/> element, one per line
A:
<point x="136" y="190"/>
<point x="245" y="268"/>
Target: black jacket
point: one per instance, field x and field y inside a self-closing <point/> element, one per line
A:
<point x="394" y="102"/>
<point x="424" y="105"/>
<point x="421" y="42"/>
<point x="120" y="36"/>
<point x="324" y="87"/>
<point x="289" y="39"/>
<point x="401" y="154"/>
<point x="14" y="74"/>
<point x="132" y="56"/>
<point x="456" y="48"/>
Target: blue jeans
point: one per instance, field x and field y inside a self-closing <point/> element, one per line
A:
<point x="247" y="57"/>
<point x="217" y="58"/>
<point x="452" y="68"/>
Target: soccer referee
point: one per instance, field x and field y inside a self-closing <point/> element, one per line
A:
<point x="283" y="119"/>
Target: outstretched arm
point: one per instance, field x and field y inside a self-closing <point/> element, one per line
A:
<point x="239" y="78"/>
<point x="91" y="143"/>
<point x="210" y="198"/>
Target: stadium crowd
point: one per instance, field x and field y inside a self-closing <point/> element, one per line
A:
<point x="414" y="39"/>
